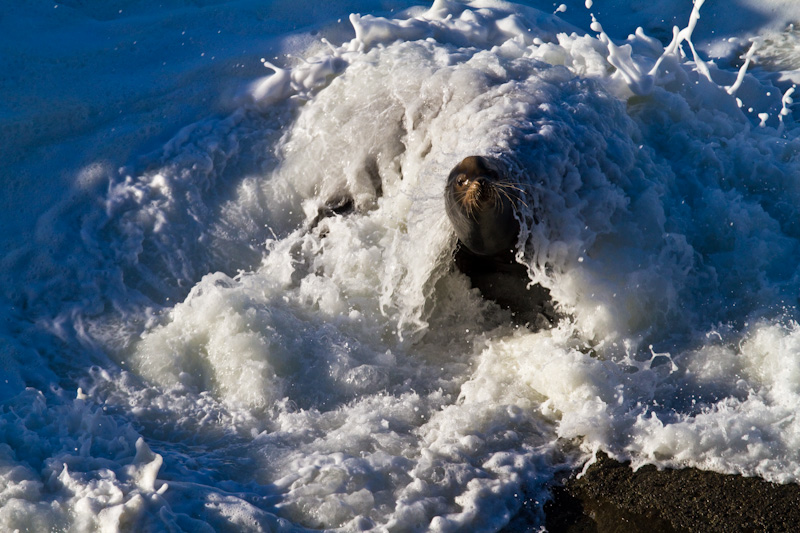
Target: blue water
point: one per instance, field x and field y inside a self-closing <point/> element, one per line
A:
<point x="187" y="346"/>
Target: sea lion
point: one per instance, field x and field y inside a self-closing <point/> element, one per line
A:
<point x="482" y="204"/>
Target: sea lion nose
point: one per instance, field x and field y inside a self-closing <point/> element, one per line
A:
<point x="478" y="185"/>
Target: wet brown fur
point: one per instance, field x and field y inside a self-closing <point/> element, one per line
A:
<point x="481" y="205"/>
<point x="473" y="195"/>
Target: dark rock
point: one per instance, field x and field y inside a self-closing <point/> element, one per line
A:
<point x="611" y="497"/>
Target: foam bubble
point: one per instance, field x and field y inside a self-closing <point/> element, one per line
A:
<point x="265" y="331"/>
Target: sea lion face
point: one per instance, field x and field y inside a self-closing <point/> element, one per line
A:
<point x="480" y="207"/>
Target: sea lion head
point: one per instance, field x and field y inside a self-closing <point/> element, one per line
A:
<point x="481" y="204"/>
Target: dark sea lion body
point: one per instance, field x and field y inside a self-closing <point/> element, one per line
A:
<point x="481" y="205"/>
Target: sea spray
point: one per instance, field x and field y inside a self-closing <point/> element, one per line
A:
<point x="252" y="357"/>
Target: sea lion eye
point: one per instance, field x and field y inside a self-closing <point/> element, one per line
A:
<point x="462" y="180"/>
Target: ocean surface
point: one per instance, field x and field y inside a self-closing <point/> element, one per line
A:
<point x="187" y="342"/>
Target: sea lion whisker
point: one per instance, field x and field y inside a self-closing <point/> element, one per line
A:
<point x="511" y="196"/>
<point x="517" y="192"/>
<point x="468" y="209"/>
<point x="470" y="204"/>
<point x="466" y="199"/>
<point x="508" y="185"/>
<point x="481" y="205"/>
<point x="506" y="195"/>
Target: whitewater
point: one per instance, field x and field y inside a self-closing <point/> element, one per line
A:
<point x="195" y="335"/>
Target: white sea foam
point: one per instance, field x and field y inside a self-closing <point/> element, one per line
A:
<point x="246" y="363"/>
